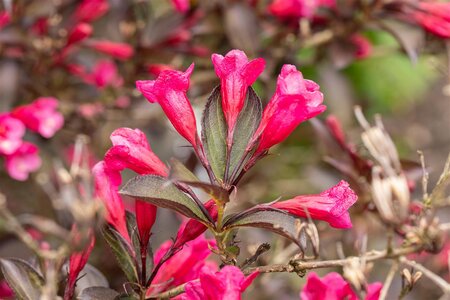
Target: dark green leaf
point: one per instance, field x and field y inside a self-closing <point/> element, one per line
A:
<point x="124" y="253"/>
<point x="246" y="125"/>
<point x="98" y="293"/>
<point x="214" y="132"/>
<point x="163" y="193"/>
<point x="22" y="278"/>
<point x="263" y="216"/>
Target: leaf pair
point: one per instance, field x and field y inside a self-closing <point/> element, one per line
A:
<point x="225" y="163"/>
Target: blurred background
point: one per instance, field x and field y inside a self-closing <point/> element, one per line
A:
<point x="88" y="55"/>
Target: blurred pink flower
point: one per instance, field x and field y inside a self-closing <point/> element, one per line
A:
<point x="90" y="110"/>
<point x="363" y="47"/>
<point x="40" y="27"/>
<point x="227" y="284"/>
<point x="181" y="5"/>
<point x="5" y="18"/>
<point x="156" y="69"/>
<point x="183" y="266"/>
<point x="295" y="100"/>
<point x="117" y="50"/>
<point x="122" y="102"/>
<point x="23" y="161"/>
<point x="78" y="33"/>
<point x="236" y="74"/>
<point x="293" y="8"/>
<point x="5" y="290"/>
<point x="11" y="133"/>
<point x="41" y="116"/>
<point x="77" y="261"/>
<point x="169" y="90"/>
<point x="90" y="10"/>
<point x="104" y="74"/>
<point x="107" y="183"/>
<point x="331" y="205"/>
<point x="334" y="287"/>
<point x="434" y="17"/>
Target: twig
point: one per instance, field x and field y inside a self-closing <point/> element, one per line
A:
<point x="388" y="281"/>
<point x="441" y="283"/>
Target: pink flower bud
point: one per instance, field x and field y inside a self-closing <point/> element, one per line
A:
<point x="181" y="6"/>
<point x="293" y="8"/>
<point x="118" y="50"/>
<point x="434" y="17"/>
<point x="295" y="101"/>
<point x="104" y="74"/>
<point x="363" y="47"/>
<point x="41" y="116"/>
<point x="236" y="74"/>
<point x="331" y="205"/>
<point x="11" y="133"/>
<point x="169" y="90"/>
<point x="5" y="19"/>
<point x="23" y="161"/>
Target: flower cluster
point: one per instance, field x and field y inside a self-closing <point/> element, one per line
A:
<point x="22" y="157"/>
<point x="236" y="133"/>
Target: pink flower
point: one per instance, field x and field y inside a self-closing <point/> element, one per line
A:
<point x="363" y="47"/>
<point x="122" y="102"/>
<point x="90" y="110"/>
<point x="191" y="229"/>
<point x="434" y="17"/>
<point x="5" y="18"/>
<point x="181" y="5"/>
<point x="77" y="262"/>
<point x="183" y="266"/>
<point x="107" y="182"/>
<point x="295" y="100"/>
<point x="41" y="116"/>
<point x="104" y="74"/>
<point x="131" y="150"/>
<point x="78" y="33"/>
<point x="118" y="50"/>
<point x="331" y="205"/>
<point x="236" y="74"/>
<point x="334" y="287"/>
<point x="227" y="284"/>
<point x="293" y="8"/>
<point x="90" y="10"/>
<point x="11" y="133"/>
<point x="22" y="162"/>
<point x="169" y="90"/>
<point x="5" y="291"/>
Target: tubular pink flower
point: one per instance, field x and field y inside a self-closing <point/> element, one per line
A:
<point x="77" y="261"/>
<point x="169" y="90"/>
<point x="184" y="266"/>
<point x="227" y="284"/>
<point x="334" y="287"/>
<point x="78" y="33"/>
<point x="236" y="74"/>
<point x="11" y="133"/>
<point x="331" y="205"/>
<point x="90" y="10"/>
<point x="131" y="150"/>
<point x="295" y="100"/>
<point x="23" y="161"/>
<point x="434" y="17"/>
<point x="118" y="50"/>
<point x="41" y="116"/>
<point x="107" y="182"/>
